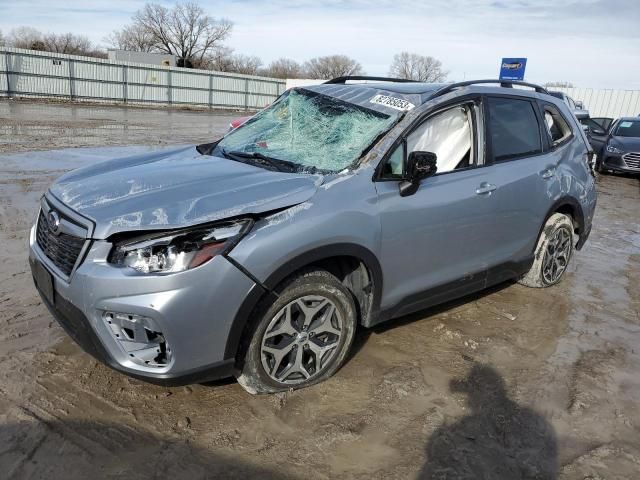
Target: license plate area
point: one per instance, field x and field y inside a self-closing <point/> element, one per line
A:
<point x="44" y="281"/>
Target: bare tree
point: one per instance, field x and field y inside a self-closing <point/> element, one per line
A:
<point x="133" y="38"/>
<point x="283" y="68"/>
<point x="185" y="31"/>
<point x="28" y="37"/>
<point x="560" y="84"/>
<point x="67" y="43"/>
<point x="245" y="64"/>
<point x="2" y="40"/>
<point x="25" y="37"/>
<point x="417" y="67"/>
<point x="332" y="66"/>
<point x="221" y="60"/>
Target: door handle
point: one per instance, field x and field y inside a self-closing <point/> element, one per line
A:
<point x="485" y="188"/>
<point x="548" y="173"/>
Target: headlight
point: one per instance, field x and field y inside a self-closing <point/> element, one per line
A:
<point x="612" y="149"/>
<point x="179" y="250"/>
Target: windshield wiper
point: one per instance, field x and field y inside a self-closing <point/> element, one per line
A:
<point x="277" y="163"/>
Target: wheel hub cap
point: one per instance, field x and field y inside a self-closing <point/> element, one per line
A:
<point x="556" y="255"/>
<point x="301" y="339"/>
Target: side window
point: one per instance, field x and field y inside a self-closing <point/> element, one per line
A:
<point x="593" y="125"/>
<point x="556" y="125"/>
<point x="447" y="134"/>
<point x="394" y="165"/>
<point x="514" y="129"/>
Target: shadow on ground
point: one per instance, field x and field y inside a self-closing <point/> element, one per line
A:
<point x="499" y="439"/>
<point x="34" y="448"/>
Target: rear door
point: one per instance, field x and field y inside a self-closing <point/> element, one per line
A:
<point x="523" y="171"/>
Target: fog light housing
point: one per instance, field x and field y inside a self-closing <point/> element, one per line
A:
<point x="140" y="338"/>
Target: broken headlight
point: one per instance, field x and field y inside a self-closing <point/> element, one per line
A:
<point x="616" y="150"/>
<point x="180" y="250"/>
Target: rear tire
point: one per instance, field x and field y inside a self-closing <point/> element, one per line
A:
<point x="300" y="339"/>
<point x="553" y="253"/>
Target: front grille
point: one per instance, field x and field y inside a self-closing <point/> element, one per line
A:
<point x="62" y="249"/>
<point x="632" y="159"/>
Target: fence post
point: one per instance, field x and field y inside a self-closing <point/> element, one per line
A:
<point x="71" y="75"/>
<point x="210" y="91"/>
<point x="6" y="66"/>
<point x="246" y="94"/>
<point x="169" y="87"/>
<point x="125" y="93"/>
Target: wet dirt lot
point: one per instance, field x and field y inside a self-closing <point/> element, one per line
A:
<point x="518" y="382"/>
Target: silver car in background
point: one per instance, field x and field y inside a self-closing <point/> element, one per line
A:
<point x="339" y="207"/>
<point x="577" y="107"/>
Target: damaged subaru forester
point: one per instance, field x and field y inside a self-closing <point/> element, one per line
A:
<point x="338" y="207"/>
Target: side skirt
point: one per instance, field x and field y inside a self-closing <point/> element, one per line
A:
<point x="454" y="290"/>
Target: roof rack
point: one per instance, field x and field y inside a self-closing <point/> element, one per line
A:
<point x="364" y="77"/>
<point x="503" y="83"/>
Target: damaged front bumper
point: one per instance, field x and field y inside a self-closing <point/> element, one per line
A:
<point x="167" y="329"/>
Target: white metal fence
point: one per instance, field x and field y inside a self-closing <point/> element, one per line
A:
<point x="43" y="74"/>
<point x="30" y="73"/>
<point x="606" y="102"/>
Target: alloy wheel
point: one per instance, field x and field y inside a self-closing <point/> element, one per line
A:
<point x="556" y="255"/>
<point x="301" y="339"/>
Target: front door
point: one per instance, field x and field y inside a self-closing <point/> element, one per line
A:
<point x="437" y="239"/>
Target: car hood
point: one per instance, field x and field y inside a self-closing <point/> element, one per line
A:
<point x="176" y="188"/>
<point x="628" y="144"/>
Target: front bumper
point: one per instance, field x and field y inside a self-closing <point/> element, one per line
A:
<point x="617" y="163"/>
<point x="193" y="310"/>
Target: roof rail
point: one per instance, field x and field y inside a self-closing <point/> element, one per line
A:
<point x="364" y="77"/>
<point x="503" y="83"/>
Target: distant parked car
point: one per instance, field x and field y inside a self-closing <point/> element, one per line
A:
<point x="238" y="122"/>
<point x="577" y="108"/>
<point x="617" y="148"/>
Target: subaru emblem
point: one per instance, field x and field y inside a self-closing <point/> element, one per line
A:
<point x="54" y="221"/>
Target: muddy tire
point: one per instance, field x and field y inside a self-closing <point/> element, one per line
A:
<point x="599" y="168"/>
<point x="553" y="252"/>
<point x="300" y="339"/>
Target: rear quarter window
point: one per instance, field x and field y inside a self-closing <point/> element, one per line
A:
<point x="556" y="126"/>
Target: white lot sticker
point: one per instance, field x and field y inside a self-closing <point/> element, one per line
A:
<point x="392" y="102"/>
<point x="625" y="124"/>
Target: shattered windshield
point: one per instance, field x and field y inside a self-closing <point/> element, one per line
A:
<point x="308" y="129"/>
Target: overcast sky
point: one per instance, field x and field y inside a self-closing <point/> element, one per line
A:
<point x="591" y="43"/>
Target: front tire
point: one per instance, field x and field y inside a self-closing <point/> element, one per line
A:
<point x="553" y="253"/>
<point x="302" y="338"/>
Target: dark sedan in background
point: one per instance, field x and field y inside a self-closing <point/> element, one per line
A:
<point x="618" y="147"/>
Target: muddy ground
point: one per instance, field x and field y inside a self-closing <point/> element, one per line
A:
<point x="519" y="382"/>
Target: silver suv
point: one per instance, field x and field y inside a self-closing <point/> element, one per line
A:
<point x="339" y="207"/>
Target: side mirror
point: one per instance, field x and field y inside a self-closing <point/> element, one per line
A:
<point x="420" y="165"/>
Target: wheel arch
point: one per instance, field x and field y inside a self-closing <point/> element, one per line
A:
<point x="354" y="265"/>
<point x="569" y="206"/>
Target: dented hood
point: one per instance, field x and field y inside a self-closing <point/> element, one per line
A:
<point x="176" y="188"/>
